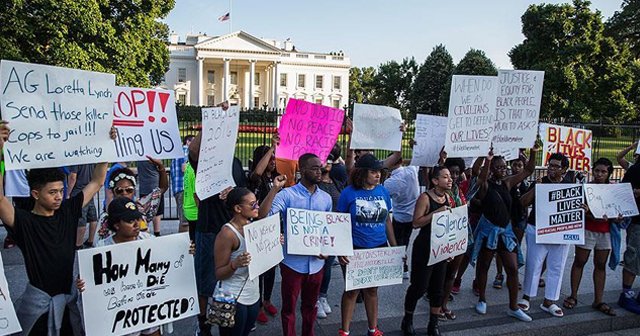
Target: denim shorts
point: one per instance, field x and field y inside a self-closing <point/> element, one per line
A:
<point x="204" y="264"/>
<point x="632" y="254"/>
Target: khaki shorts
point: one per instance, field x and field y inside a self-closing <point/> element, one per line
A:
<point x="596" y="241"/>
<point x="632" y="254"/>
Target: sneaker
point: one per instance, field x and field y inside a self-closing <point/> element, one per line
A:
<point x="405" y="275"/>
<point x="253" y="328"/>
<point x="456" y="288"/>
<point x="628" y="302"/>
<point x="262" y="317"/>
<point x="342" y="333"/>
<point x="320" y="311"/>
<point x="519" y="314"/>
<point x="481" y="308"/>
<point x="271" y="309"/>
<point x="376" y="332"/>
<point x="325" y="305"/>
<point x="497" y="283"/>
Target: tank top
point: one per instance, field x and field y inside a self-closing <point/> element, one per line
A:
<point x="250" y="293"/>
<point x="496" y="205"/>
<point x="424" y="236"/>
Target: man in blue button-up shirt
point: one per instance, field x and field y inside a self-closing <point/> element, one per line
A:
<point x="301" y="275"/>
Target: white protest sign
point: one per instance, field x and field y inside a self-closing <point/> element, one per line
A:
<point x="449" y="234"/>
<point x="507" y="154"/>
<point x="429" y="137"/>
<point x="375" y="267"/>
<point x="58" y="116"/>
<point x="559" y="215"/>
<point x="575" y="143"/>
<point x="263" y="244"/>
<point x="638" y="149"/>
<point x="8" y="320"/>
<point x="376" y="127"/>
<point x="137" y="285"/>
<point x="317" y="232"/>
<point x="147" y="124"/>
<point x="215" y="162"/>
<point x="519" y="94"/>
<point x="471" y="116"/>
<point x="611" y="200"/>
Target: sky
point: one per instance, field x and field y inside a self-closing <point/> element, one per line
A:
<point x="371" y="32"/>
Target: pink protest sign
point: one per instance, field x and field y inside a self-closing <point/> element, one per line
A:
<point x="308" y="128"/>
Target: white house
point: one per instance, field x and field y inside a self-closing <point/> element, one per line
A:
<point x="250" y="71"/>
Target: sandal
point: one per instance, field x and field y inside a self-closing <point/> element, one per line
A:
<point x="497" y="283"/>
<point x="553" y="309"/>
<point x="442" y="317"/>
<point x="450" y="315"/>
<point x="524" y="304"/>
<point x="570" y="302"/>
<point x="605" y="308"/>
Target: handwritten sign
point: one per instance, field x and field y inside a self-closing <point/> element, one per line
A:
<point x="8" y="320"/>
<point x="471" y="116"/>
<point x="308" y="128"/>
<point x="263" y="244"/>
<point x="58" y="116"/>
<point x="519" y="94"/>
<point x="449" y="234"/>
<point x="147" y="124"/>
<point x="611" y="200"/>
<point x="575" y="143"/>
<point x="318" y="232"/>
<point x="137" y="285"/>
<point x="374" y="268"/>
<point x="376" y="127"/>
<point x="429" y="137"/>
<point x="219" y="135"/>
<point x="559" y="215"/>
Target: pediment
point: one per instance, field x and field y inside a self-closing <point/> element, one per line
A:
<point x="238" y="41"/>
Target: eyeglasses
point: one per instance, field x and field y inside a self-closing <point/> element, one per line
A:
<point x="127" y="190"/>
<point x="554" y="166"/>
<point x="253" y="205"/>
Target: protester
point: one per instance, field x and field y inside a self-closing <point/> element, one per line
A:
<point x="178" y="167"/>
<point x="597" y="238"/>
<point x="190" y="201"/>
<point x="148" y="177"/>
<point x="370" y="205"/>
<point x="632" y="254"/>
<point x="338" y="167"/>
<point x="301" y="275"/>
<point x="79" y="177"/>
<point x="620" y="157"/>
<point x="232" y="259"/>
<point x="494" y="234"/>
<point x="108" y="193"/>
<point x="332" y="187"/>
<point x="425" y="278"/>
<point x="554" y="254"/>
<point x="46" y="236"/>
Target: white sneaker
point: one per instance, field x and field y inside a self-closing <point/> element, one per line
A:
<point x="325" y="305"/>
<point x="320" y="314"/>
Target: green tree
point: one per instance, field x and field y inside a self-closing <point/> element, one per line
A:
<point x="123" y="37"/>
<point x="431" y="81"/>
<point x="474" y="63"/>
<point x="587" y="75"/>
<point x="361" y="85"/>
<point x="392" y="83"/>
<point x="624" y="25"/>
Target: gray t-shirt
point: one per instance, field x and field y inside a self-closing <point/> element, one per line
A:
<point x="83" y="176"/>
<point x="148" y="177"/>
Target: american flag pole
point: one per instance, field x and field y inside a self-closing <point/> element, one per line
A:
<point x="230" y="17"/>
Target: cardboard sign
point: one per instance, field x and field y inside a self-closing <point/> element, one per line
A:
<point x="137" y="285"/>
<point x="376" y="127"/>
<point x="429" y="137"/>
<point x="375" y="267"/>
<point x="575" y="143"/>
<point x="147" y="124"/>
<point x="263" y="244"/>
<point x="559" y="215"/>
<point x="8" y="320"/>
<point x="611" y="200"/>
<point x="519" y="95"/>
<point x="215" y="163"/>
<point x="308" y="128"/>
<point x="449" y="234"/>
<point x="471" y="116"/>
<point x="58" y="116"/>
<point x="318" y="232"/>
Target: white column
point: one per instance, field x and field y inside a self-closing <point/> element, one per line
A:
<point x="200" y="94"/>
<point x="252" y="76"/>
<point x="269" y="83"/>
<point x="276" y="79"/>
<point x="225" y="80"/>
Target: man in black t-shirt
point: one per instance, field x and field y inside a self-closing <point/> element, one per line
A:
<point x="46" y="235"/>
<point x="628" y="299"/>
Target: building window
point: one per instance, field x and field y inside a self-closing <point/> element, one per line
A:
<point x="283" y="79"/>
<point x="182" y="75"/>
<point x="256" y="78"/>
<point x="319" y="82"/>
<point x="211" y="100"/>
<point x="337" y="82"/>
<point x="319" y="101"/>
<point x="256" y="101"/>
<point x="336" y="103"/>
<point x="301" y="79"/>
<point x="233" y="78"/>
<point x="182" y="99"/>
<point x="211" y="77"/>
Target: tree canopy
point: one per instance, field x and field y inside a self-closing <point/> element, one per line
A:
<point x="432" y="78"/>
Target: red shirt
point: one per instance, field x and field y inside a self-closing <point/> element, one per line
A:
<point x="597" y="225"/>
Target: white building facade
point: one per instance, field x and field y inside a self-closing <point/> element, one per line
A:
<point x="251" y="72"/>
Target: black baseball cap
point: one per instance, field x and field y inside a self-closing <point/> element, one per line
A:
<point x="123" y="208"/>
<point x="369" y="161"/>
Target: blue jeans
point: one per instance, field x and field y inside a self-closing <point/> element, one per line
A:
<point x="245" y="320"/>
<point x="204" y="264"/>
<point x="324" y="286"/>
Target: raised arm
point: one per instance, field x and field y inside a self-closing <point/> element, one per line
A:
<point x="265" y="206"/>
<point x="529" y="169"/>
<point x="620" y="156"/>
<point x="71" y="182"/>
<point x="7" y="212"/>
<point x="264" y="162"/>
<point x="97" y="181"/>
<point x="163" y="179"/>
<point x="484" y="177"/>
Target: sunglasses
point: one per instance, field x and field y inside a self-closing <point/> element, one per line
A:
<point x="253" y="205"/>
<point x="127" y="190"/>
